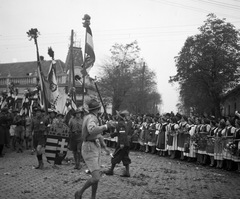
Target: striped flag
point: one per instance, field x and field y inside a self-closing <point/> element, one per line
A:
<point x="89" y="51"/>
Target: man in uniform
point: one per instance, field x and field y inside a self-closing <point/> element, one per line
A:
<point x="39" y="127"/>
<point x="121" y="154"/>
<point x="91" y="147"/>
<point x="75" y="125"/>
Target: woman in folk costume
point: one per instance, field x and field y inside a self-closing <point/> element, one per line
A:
<point x="142" y="134"/>
<point x="202" y="144"/>
<point x="198" y="122"/>
<point x="210" y="142"/>
<point x="228" y="139"/>
<point x="236" y="155"/>
<point x="172" y="129"/>
<point x="218" y="145"/>
<point x="162" y="136"/>
<point x="189" y="147"/>
<point x="136" y="132"/>
<point x="181" y="137"/>
<point x="152" y="135"/>
<point x="147" y="133"/>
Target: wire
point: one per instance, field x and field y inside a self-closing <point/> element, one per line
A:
<point x="167" y="2"/>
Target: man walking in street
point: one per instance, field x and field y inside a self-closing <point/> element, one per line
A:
<point x="91" y="147"/>
<point x="121" y="154"/>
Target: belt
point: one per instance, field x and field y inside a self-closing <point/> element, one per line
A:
<point x="90" y="140"/>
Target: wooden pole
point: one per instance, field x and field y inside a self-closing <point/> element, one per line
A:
<point x="72" y="69"/>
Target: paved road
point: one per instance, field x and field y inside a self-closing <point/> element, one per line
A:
<point x="152" y="177"/>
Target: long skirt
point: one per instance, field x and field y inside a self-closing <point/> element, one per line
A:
<point x="226" y="153"/>
<point x="174" y="146"/>
<point x="187" y="145"/>
<point x="152" y="139"/>
<point x="202" y="144"/>
<point x="161" y="141"/>
<point x="141" y="138"/>
<point x="210" y="146"/>
<point x="180" y="141"/>
<point x="236" y="156"/>
<point x="147" y="136"/>
<point x="135" y="136"/>
<point x="218" y="149"/>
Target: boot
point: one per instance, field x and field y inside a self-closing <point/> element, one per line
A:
<point x="153" y="149"/>
<point x="126" y="174"/>
<point x="110" y="171"/>
<point x="77" y="161"/>
<point x="40" y="165"/>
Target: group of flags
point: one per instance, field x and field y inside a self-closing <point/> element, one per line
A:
<point x="50" y="97"/>
<point x="47" y="94"/>
<point x="9" y="97"/>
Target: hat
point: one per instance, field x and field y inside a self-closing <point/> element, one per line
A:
<point x="93" y="105"/>
<point x="122" y="114"/>
<point x="60" y="114"/>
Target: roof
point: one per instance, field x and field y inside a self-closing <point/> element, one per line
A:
<point x="78" y="57"/>
<point x="21" y="69"/>
<point x="233" y="92"/>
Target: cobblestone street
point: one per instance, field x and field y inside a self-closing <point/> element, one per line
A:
<point x="152" y="177"/>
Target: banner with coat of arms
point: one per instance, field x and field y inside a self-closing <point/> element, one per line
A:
<point x="57" y="143"/>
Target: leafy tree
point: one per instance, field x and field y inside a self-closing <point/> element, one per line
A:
<point x="207" y="64"/>
<point x="125" y="80"/>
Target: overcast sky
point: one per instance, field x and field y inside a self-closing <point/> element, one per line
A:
<point x="160" y="27"/>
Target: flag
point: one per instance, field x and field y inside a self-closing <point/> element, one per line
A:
<point x="53" y="86"/>
<point x="89" y="51"/>
<point x="28" y="101"/>
<point x="44" y="95"/>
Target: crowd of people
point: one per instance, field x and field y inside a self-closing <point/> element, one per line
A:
<point x="207" y="141"/>
<point x="204" y="140"/>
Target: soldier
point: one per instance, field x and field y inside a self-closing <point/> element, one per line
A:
<point x="75" y="125"/>
<point x="91" y="147"/>
<point x="39" y="127"/>
<point x="123" y="131"/>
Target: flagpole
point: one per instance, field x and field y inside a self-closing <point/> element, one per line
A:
<point x="33" y="34"/>
<point x="72" y="67"/>
<point x="86" y="24"/>
<point x="100" y="97"/>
